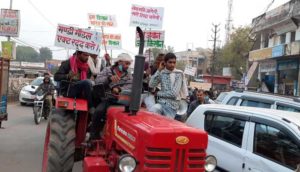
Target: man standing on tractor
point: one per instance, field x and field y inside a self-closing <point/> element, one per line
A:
<point x="76" y="70"/>
<point x="173" y="87"/>
<point x="115" y="78"/>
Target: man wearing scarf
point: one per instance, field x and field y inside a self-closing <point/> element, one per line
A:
<point x="115" y="78"/>
<point x="76" y="70"/>
<point x="173" y="87"/>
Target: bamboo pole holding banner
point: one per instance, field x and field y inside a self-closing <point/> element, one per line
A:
<point x="103" y="37"/>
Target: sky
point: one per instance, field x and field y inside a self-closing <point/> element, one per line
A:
<point x="187" y="23"/>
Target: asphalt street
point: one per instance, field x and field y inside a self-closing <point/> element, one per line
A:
<point x="22" y="141"/>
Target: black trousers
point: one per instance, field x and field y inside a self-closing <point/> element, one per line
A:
<point x="99" y="117"/>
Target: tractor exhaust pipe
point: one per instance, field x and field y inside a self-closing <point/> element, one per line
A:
<point x="138" y="74"/>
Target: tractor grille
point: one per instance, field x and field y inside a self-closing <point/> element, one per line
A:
<point x="161" y="159"/>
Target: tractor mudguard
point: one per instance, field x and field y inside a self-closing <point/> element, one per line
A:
<point x="71" y="104"/>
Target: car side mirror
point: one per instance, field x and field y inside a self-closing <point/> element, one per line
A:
<point x="32" y="87"/>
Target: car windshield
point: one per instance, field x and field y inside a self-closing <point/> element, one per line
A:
<point x="221" y="97"/>
<point x="37" y="82"/>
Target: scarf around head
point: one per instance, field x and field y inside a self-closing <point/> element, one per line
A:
<point x="82" y="66"/>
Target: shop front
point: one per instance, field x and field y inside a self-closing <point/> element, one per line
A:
<point x="266" y="75"/>
<point x="288" y="71"/>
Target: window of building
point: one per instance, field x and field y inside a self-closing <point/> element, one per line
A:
<point x="232" y="101"/>
<point x="252" y="103"/>
<point x="276" y="145"/>
<point x="293" y="36"/>
<point x="266" y="41"/>
<point x="227" y="129"/>
<point x="282" y="38"/>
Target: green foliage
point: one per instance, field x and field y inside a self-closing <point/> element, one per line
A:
<point x="233" y="54"/>
<point x="181" y="65"/>
<point x="45" y="54"/>
<point x="29" y="54"/>
<point x="25" y="53"/>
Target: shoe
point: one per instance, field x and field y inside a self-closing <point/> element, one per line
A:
<point x="92" y="110"/>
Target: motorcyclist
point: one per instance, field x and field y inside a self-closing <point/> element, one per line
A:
<point x="76" y="69"/>
<point x="112" y="77"/>
<point x="48" y="88"/>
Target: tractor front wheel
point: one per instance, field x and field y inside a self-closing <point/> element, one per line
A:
<point x="61" y="146"/>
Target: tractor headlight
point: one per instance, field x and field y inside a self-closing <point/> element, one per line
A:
<point x="210" y="163"/>
<point x="127" y="163"/>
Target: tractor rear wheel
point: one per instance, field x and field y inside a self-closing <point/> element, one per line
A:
<point x="61" y="146"/>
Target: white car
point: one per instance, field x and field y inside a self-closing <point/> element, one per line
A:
<point x="25" y="97"/>
<point x="260" y="100"/>
<point x="246" y="139"/>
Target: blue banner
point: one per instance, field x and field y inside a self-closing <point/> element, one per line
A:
<point x="278" y="50"/>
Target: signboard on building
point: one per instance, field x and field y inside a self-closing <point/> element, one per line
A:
<point x="8" y="50"/>
<point x="268" y="66"/>
<point x="202" y="86"/>
<point x="9" y="22"/>
<point x="190" y="70"/>
<point x="32" y="64"/>
<point x="260" y="54"/>
<point x="287" y="64"/>
<point x="102" y="20"/>
<point x="112" y="41"/>
<point x="278" y="50"/>
<point x="153" y="39"/>
<point x="146" y="17"/>
<point x="78" y="39"/>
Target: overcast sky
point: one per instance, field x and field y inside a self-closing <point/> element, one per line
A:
<point x="186" y="22"/>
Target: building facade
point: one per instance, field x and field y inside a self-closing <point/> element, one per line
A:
<point x="199" y="58"/>
<point x="276" y="52"/>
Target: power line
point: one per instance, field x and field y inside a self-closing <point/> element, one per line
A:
<point x="41" y="13"/>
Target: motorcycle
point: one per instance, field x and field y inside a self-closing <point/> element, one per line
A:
<point x="40" y="107"/>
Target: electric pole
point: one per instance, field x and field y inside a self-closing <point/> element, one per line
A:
<point x="213" y="59"/>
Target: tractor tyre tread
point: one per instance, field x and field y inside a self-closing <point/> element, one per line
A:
<point x="62" y="142"/>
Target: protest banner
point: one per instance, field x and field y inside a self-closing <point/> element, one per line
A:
<point x="102" y="20"/>
<point x="190" y="70"/>
<point x="9" y="22"/>
<point x="153" y="39"/>
<point x="8" y="50"/>
<point x="112" y="41"/>
<point x="146" y="17"/>
<point x="78" y="39"/>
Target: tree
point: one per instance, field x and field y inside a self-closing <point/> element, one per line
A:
<point x="45" y="54"/>
<point x="156" y="51"/>
<point x="25" y="53"/>
<point x="180" y="65"/>
<point x="233" y="54"/>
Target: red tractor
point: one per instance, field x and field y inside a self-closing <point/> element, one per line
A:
<point x="132" y="140"/>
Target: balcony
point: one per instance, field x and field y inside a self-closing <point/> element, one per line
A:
<point x="260" y="54"/>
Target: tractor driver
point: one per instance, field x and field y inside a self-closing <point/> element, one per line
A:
<point x="116" y="78"/>
<point x="76" y="70"/>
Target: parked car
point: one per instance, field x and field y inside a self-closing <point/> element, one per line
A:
<point x="247" y="139"/>
<point x="25" y="97"/>
<point x="261" y="100"/>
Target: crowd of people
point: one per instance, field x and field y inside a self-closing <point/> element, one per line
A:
<point x="164" y="86"/>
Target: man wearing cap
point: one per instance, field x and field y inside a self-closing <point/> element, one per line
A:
<point x="115" y="78"/>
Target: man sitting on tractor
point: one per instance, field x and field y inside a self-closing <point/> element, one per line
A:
<point x="116" y="78"/>
<point x="76" y="70"/>
<point x="173" y="87"/>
